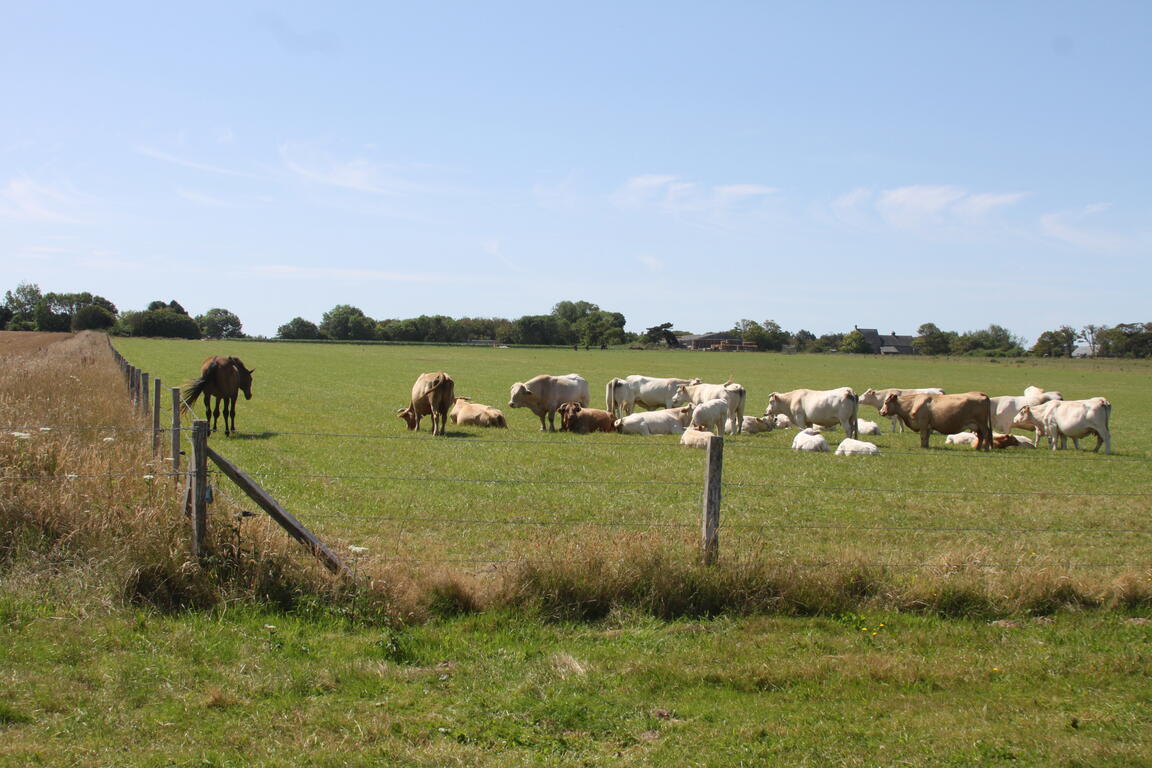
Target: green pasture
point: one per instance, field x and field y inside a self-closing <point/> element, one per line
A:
<point x="321" y="435"/>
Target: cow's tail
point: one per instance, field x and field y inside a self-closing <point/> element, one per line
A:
<point x="610" y="396"/>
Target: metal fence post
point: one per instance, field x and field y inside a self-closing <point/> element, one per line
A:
<point x="710" y="524"/>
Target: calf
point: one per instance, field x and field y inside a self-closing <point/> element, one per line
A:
<point x="850" y="447"/>
<point x="753" y="425"/>
<point x="865" y="427"/>
<point x="711" y="415"/>
<point x="696" y="437"/>
<point x="576" y="418"/>
<point x="809" y="440"/>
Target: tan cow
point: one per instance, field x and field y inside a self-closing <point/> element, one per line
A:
<point x="875" y="398"/>
<point x="944" y="413"/>
<point x="468" y="413"/>
<point x="432" y="395"/>
<point x="576" y="418"/>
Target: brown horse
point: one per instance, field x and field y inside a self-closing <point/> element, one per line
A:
<point x="222" y="378"/>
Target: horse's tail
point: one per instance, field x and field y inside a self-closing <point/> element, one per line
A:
<point x="192" y="391"/>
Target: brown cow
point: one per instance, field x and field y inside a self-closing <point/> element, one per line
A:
<point x="432" y="395"/>
<point x="576" y="418"/>
<point x="944" y="413"/>
<point x="473" y="414"/>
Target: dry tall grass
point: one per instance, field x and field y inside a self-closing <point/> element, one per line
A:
<point x="89" y="515"/>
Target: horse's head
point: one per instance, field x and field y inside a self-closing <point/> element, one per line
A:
<point x="244" y="378"/>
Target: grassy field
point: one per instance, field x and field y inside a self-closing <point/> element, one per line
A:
<point x="952" y="671"/>
<point x="320" y="434"/>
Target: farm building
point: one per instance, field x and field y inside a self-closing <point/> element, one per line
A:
<point x="887" y="344"/>
<point x="726" y="341"/>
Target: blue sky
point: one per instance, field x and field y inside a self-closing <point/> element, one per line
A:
<point x="820" y="164"/>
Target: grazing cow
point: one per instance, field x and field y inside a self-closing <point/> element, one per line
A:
<point x="469" y="414"/>
<point x="1036" y="395"/>
<point x="850" y="447"/>
<point x="700" y="393"/>
<point x="696" y="437"/>
<point x="671" y="421"/>
<point x="544" y="394"/>
<point x="875" y="398"/>
<point x="865" y="427"/>
<point x="432" y="395"/>
<point x="1061" y="419"/>
<point x="809" y="440"/>
<point x="826" y="408"/>
<point x="711" y="415"/>
<point x="962" y="438"/>
<point x="621" y="396"/>
<point x="944" y="413"/>
<point x="576" y="418"/>
<point x="752" y="425"/>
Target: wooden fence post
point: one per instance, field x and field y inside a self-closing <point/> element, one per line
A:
<point x="176" y="433"/>
<point x="145" y="393"/>
<point x="156" y="417"/>
<point x="710" y="524"/>
<point x="199" y="479"/>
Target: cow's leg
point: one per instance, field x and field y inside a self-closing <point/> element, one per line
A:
<point x="543" y="425"/>
<point x="551" y="421"/>
<point x="924" y="433"/>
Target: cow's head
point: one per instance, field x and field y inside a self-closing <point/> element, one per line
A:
<point x="408" y="415"/>
<point x="568" y="412"/>
<point x="775" y="405"/>
<point x="681" y="395"/>
<point x="890" y="405"/>
<point x="520" y="396"/>
<point x="684" y="414"/>
<point x="1025" y="418"/>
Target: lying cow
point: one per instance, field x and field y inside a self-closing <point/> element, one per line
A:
<point x="962" y="438"/>
<point x="809" y="440"/>
<point x="875" y="398"/>
<point x="670" y="421"/>
<point x="1061" y="419"/>
<point x="865" y="427"/>
<point x="729" y="391"/>
<point x="696" y="437"/>
<point x="752" y="425"/>
<point x="1001" y="442"/>
<point x="850" y="447"/>
<point x="544" y="394"/>
<point x="576" y="418"/>
<point x="808" y="407"/>
<point x="943" y="413"/>
<point x="432" y="395"/>
<point x="621" y="396"/>
<point x="469" y="414"/>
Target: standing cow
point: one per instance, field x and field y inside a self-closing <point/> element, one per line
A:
<point x="730" y="391"/>
<point x="1061" y="419"/>
<point x="944" y="413"/>
<point x="824" y="408"/>
<point x="875" y="398"/>
<point x="544" y="394"/>
<point x="433" y="395"/>
<point x="621" y="396"/>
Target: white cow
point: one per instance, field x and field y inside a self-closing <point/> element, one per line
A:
<point x="806" y="407"/>
<point x="866" y="427"/>
<point x="752" y="425"/>
<point x="711" y="415"/>
<point x="670" y="421"/>
<point x="699" y="393"/>
<point x="782" y="421"/>
<point x="961" y="438"/>
<point x="696" y="437"/>
<point x="809" y="440"/>
<point x="621" y="396"/>
<point x="850" y="447"/>
<point x="1005" y="408"/>
<point x="875" y="398"/>
<point x="1036" y="395"/>
<point x="1070" y="418"/>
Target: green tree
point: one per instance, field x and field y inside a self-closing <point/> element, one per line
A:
<point x="299" y="328"/>
<point x="161" y="323"/>
<point x="930" y="340"/>
<point x="542" y="329"/>
<point x="92" y="317"/>
<point x="344" y="322"/>
<point x="572" y="311"/>
<point x="803" y="340"/>
<point x="854" y="343"/>
<point x="21" y="303"/>
<point x="1089" y="334"/>
<point x="219" y="323"/>
<point x="1058" y="343"/>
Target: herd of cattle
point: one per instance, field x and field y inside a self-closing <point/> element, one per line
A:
<point x="694" y="410"/>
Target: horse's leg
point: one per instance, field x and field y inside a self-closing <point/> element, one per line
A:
<point x="229" y="420"/>
<point x="233" y="401"/>
<point x="208" y="411"/>
<point x="216" y="416"/>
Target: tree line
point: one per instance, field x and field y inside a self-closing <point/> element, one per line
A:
<point x="580" y="323"/>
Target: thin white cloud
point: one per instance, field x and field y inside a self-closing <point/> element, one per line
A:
<point x="25" y="199"/>
<point x="1068" y="227"/>
<point x="167" y="157"/>
<point x="376" y="275"/>
<point x="671" y="193"/>
<point x="357" y="174"/>
<point x="920" y="206"/>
